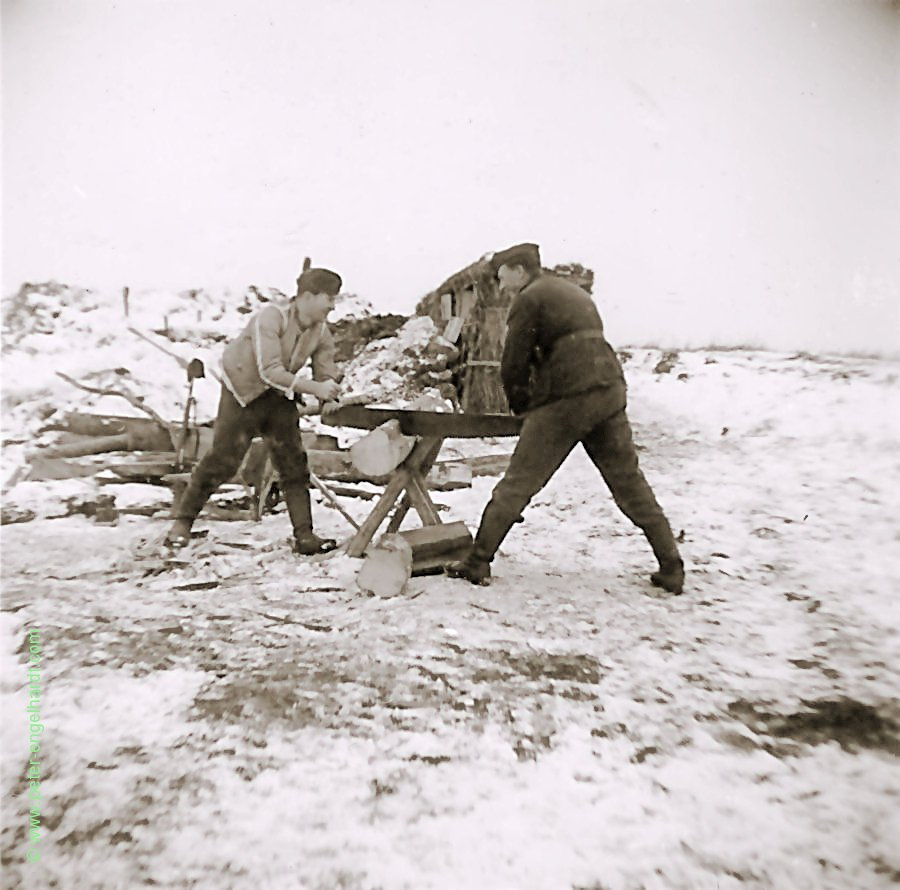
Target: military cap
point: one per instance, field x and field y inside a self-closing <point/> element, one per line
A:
<point x="318" y="281"/>
<point x="528" y="255"/>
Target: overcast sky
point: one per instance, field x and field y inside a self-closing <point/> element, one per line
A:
<point x="730" y="170"/>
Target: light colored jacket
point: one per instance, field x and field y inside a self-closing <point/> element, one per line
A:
<point x="271" y="350"/>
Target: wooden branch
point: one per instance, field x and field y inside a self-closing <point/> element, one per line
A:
<point x="137" y="401"/>
<point x="181" y="361"/>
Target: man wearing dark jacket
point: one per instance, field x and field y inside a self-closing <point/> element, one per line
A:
<point x="559" y="371"/>
<point x="261" y="373"/>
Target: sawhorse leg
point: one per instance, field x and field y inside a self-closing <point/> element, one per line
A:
<point x="409" y="477"/>
<point x="406" y="503"/>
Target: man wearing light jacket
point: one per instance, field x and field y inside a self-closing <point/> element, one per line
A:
<point x="558" y="370"/>
<point x="261" y="372"/>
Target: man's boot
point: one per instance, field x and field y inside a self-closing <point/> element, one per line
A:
<point x="670" y="576"/>
<point x="299" y="507"/>
<point x="179" y="533"/>
<point x="473" y="569"/>
<point x="188" y="508"/>
<point x="476" y="567"/>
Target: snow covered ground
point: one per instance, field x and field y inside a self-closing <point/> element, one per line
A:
<point x="252" y="720"/>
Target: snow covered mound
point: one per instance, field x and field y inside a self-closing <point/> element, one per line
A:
<point x="87" y="335"/>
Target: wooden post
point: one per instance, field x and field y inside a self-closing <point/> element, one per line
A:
<point x="125" y="300"/>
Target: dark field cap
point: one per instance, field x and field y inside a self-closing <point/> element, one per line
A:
<point x="319" y="281"/>
<point x="517" y="255"/>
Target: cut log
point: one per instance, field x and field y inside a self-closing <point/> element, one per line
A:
<point x="381" y="450"/>
<point x="482" y="465"/>
<point x="91" y="445"/>
<point x="396" y="558"/>
<point x="149" y="467"/>
<point x="450" y="476"/>
<point x="437" y="540"/>
<point x="106" y="425"/>
<point x="43" y="469"/>
<point x="432" y="555"/>
<point x="387" y="567"/>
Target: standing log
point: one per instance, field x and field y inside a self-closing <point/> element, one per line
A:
<point x="387" y="567"/>
<point x="381" y="450"/>
<point x="396" y="558"/>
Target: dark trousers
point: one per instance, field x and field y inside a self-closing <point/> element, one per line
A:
<point x="271" y="416"/>
<point x="597" y="420"/>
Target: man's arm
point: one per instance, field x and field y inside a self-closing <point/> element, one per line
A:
<point x="323" y="363"/>
<point x="266" y="335"/>
<point x="518" y="349"/>
<point x="266" y="332"/>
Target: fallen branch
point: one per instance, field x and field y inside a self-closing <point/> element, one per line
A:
<point x="137" y="401"/>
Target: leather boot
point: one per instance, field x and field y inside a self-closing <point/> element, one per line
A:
<point x="670" y="576"/>
<point x="471" y="569"/>
<point x="299" y="507"/>
<point x="179" y="534"/>
<point x="495" y="525"/>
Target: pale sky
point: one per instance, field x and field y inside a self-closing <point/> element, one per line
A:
<point x="730" y="170"/>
